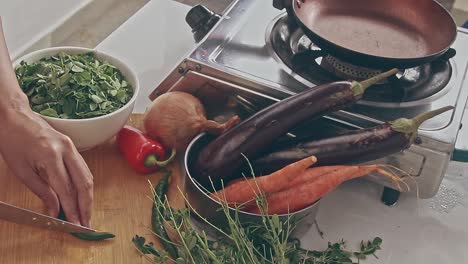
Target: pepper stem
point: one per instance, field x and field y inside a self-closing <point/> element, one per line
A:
<point x="152" y="160"/>
<point x="360" y="87"/>
<point x="410" y="127"/>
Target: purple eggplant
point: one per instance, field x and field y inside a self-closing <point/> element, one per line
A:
<point x="352" y="147"/>
<point x="222" y="157"/>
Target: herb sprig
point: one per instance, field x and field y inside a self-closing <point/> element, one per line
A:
<point x="73" y="86"/>
<point x="264" y="243"/>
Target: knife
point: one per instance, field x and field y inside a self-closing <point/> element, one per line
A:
<point x="18" y="215"/>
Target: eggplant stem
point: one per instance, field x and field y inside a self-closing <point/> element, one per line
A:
<point x="152" y="160"/>
<point x="360" y="87"/>
<point x="410" y="127"/>
<point x="419" y="119"/>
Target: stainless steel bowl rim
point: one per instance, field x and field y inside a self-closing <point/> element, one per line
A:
<point x="195" y="182"/>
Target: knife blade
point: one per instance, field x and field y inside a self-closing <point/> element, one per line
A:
<point x="18" y="215"/>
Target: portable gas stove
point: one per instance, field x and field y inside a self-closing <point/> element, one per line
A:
<point x="254" y="55"/>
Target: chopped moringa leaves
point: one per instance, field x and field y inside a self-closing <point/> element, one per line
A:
<point x="73" y="86"/>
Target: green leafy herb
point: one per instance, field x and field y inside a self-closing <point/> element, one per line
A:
<point x="368" y="248"/>
<point x="73" y="86"/>
<point x="336" y="253"/>
<point x="268" y="242"/>
<point x="144" y="248"/>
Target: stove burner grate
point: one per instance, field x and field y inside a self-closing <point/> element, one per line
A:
<point x="314" y="65"/>
<point x="346" y="70"/>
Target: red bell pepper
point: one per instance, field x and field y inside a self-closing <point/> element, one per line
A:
<point x="143" y="153"/>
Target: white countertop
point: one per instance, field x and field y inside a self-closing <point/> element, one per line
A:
<point x="413" y="231"/>
<point x="152" y="42"/>
<point x="28" y="21"/>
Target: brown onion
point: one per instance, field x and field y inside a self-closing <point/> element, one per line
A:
<point x="175" y="118"/>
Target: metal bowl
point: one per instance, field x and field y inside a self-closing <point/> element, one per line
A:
<point x="211" y="209"/>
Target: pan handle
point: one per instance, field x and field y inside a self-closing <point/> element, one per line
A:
<point x="450" y="53"/>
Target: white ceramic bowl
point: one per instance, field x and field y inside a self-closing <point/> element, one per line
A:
<point x="91" y="132"/>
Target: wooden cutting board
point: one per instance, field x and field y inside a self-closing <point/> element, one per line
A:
<point x="121" y="206"/>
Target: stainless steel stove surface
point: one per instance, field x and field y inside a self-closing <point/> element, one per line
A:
<point x="253" y="55"/>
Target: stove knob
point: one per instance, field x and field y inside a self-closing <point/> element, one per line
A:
<point x="286" y="4"/>
<point x="201" y="20"/>
<point x="280" y="4"/>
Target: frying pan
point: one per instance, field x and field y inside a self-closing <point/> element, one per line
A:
<point x="378" y="33"/>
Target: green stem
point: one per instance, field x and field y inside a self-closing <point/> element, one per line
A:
<point x="157" y="215"/>
<point x="409" y="127"/>
<point x="419" y="119"/>
<point x="152" y="160"/>
<point x="360" y="87"/>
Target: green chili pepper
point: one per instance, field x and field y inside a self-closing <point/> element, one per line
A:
<point x="157" y="220"/>
<point x="93" y="236"/>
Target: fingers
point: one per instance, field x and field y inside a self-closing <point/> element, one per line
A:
<point x="38" y="186"/>
<point x="83" y="180"/>
<point x="46" y="194"/>
<point x="54" y="172"/>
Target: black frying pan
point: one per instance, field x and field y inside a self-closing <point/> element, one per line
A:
<point x="378" y="33"/>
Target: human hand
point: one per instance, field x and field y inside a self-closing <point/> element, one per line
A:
<point x="49" y="164"/>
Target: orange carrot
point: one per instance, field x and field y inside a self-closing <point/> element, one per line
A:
<point x="306" y="175"/>
<point x="240" y="192"/>
<point x="234" y="181"/>
<point x="303" y="195"/>
<point x="312" y="173"/>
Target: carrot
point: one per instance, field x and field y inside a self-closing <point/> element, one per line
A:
<point x="312" y="173"/>
<point x="234" y="181"/>
<point x="306" y="175"/>
<point x="241" y="192"/>
<point x="302" y="195"/>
